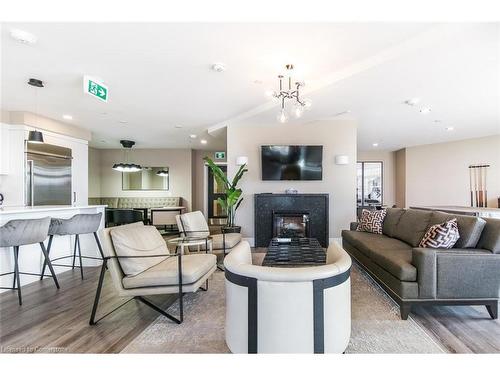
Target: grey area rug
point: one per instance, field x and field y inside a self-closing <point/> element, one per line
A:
<point x="376" y="324"/>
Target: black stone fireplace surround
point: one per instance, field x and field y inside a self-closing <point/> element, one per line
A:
<point x="316" y="205"/>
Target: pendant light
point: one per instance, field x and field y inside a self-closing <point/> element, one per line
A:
<point x="127" y="167"/>
<point x="35" y="136"/>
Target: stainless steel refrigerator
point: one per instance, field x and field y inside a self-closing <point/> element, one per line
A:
<point x="48" y="175"/>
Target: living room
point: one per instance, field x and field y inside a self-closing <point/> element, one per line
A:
<point x="170" y="186"/>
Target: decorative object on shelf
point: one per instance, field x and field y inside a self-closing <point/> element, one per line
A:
<point x="291" y="191"/>
<point x="232" y="194"/>
<point x="1" y="199"/>
<point x="162" y="173"/>
<point x="241" y="160"/>
<point x="291" y="93"/>
<point x="477" y="183"/>
<point x="341" y="159"/>
<point x="35" y="136"/>
<point x="127" y="167"/>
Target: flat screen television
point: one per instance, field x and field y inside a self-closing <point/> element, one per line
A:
<point x="292" y="162"/>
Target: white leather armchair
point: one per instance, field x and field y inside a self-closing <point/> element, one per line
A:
<point x="287" y="310"/>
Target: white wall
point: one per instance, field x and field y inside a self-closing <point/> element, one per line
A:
<point x="177" y="160"/>
<point x="94" y="172"/>
<point x="337" y="137"/>
<point x="389" y="179"/>
<point x="438" y="174"/>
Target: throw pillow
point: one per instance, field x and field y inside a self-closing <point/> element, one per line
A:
<point x="372" y="221"/>
<point x="441" y="236"/>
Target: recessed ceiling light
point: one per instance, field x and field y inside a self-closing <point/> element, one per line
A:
<point x="23" y="36"/>
<point x="103" y="141"/>
<point x="178" y="126"/>
<point x="258" y="82"/>
<point x="437" y="121"/>
<point x="425" y="110"/>
<point x="218" y="67"/>
<point x="412" y="101"/>
<point x="203" y="142"/>
<point x="67" y="117"/>
<point x="123" y="121"/>
<point x="192" y="136"/>
<point x="375" y="144"/>
<point x="449" y="128"/>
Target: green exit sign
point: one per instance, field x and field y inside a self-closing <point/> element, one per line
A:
<point x="95" y="88"/>
<point x="220" y="155"/>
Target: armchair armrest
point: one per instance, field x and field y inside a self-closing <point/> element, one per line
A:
<point x="353" y="225"/>
<point x="453" y="273"/>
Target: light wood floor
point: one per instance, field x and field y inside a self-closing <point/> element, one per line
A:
<point x="57" y="321"/>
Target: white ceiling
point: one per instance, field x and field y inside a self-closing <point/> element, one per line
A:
<point x="159" y="76"/>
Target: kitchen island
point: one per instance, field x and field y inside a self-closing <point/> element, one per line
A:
<point x="30" y="256"/>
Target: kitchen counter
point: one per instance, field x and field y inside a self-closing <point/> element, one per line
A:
<point x="28" y="209"/>
<point x="465" y="210"/>
<point x="30" y="256"/>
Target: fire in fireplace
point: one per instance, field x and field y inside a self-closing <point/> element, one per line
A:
<point x="290" y="224"/>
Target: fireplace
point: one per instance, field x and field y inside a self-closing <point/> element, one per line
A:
<point x="290" y="224"/>
<point x="268" y="205"/>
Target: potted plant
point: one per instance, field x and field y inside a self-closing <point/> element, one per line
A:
<point x="232" y="194"/>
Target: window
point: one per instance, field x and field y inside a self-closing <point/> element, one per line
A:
<point x="369" y="188"/>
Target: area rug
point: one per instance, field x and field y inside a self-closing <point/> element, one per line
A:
<point x="376" y="324"/>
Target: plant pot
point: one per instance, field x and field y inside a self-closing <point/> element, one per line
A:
<point x="233" y="229"/>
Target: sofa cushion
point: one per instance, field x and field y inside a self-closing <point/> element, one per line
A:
<point x="138" y="241"/>
<point x="469" y="227"/>
<point x="166" y="272"/>
<point x="371" y="221"/>
<point x="232" y="239"/>
<point x="441" y="236"/>
<point x="391" y="220"/>
<point x="490" y="237"/>
<point x="412" y="226"/>
<point x="367" y="242"/>
<point x="396" y="262"/>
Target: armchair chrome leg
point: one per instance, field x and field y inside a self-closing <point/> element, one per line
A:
<point x="98" y="293"/>
<point x="47" y="260"/>
<point x="74" y="254"/>
<point x="49" y="246"/>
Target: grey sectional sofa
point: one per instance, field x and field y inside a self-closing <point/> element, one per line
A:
<point x="468" y="274"/>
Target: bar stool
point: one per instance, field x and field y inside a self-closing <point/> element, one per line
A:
<point x="76" y="225"/>
<point x="16" y="233"/>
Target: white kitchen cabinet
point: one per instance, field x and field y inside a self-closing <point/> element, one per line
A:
<point x="4" y="149"/>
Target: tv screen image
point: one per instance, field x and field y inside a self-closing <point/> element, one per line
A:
<point x="292" y="162"/>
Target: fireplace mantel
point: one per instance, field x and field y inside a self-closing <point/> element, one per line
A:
<point x="315" y="204"/>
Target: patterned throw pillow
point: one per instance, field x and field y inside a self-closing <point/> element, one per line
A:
<point x="371" y="221"/>
<point x="441" y="236"/>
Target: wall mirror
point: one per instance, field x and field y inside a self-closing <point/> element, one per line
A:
<point x="149" y="178"/>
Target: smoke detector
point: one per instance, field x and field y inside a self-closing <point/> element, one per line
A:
<point x="219" y="67"/>
<point x="23" y="36"/>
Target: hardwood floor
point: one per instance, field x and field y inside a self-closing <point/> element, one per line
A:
<point x="57" y="321"/>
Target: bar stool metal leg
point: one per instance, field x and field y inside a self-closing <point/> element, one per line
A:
<point x="16" y="274"/>
<point x="44" y="251"/>
<point x="79" y="255"/>
<point x="74" y="254"/>
<point x="48" y="253"/>
<point x="98" y="245"/>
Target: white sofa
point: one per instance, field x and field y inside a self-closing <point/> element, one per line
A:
<point x="287" y="310"/>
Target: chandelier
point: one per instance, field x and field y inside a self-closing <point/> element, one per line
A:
<point x="291" y="93"/>
<point x="127" y="167"/>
